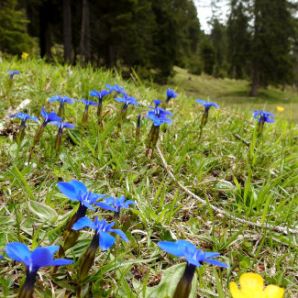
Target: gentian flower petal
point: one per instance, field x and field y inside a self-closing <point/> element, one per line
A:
<point x="106" y="206"/>
<point x="24" y="116"/>
<point x="216" y="263"/>
<point x="100" y="94"/>
<point x="61" y="99"/>
<point x="87" y="204"/>
<point x="69" y="190"/>
<point x="172" y="248"/>
<point x="68" y="125"/>
<point x="18" y="252"/>
<point x="188" y="251"/>
<point x="41" y="257"/>
<point x="12" y="73"/>
<point x="105" y="240"/>
<point x="61" y="262"/>
<point x="120" y="233"/>
<point x="211" y="254"/>
<point x="79" y="186"/>
<point x="83" y="222"/>
<point x="49" y="117"/>
<point x="207" y="104"/>
<point x="88" y="102"/>
<point x="157" y="102"/>
<point x="53" y="249"/>
<point x="115" y="204"/>
<point x="62" y="125"/>
<point x="171" y="94"/>
<point x="116" y="88"/>
<point x="127" y="203"/>
<point x="263" y="116"/>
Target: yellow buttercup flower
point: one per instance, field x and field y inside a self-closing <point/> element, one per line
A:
<point x="252" y="286"/>
<point x="280" y="109"/>
<point x="25" y="56"/>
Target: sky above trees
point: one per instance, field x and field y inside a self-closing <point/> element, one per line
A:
<point x="205" y="11"/>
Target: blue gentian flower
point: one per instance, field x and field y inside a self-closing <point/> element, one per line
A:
<point x="115" y="204"/>
<point x="61" y="99"/>
<point x="159" y="116"/>
<point x="127" y="100"/>
<point x="207" y="104"/>
<point x="49" y="117"/>
<point x="24" y="117"/>
<point x="87" y="102"/>
<point x="263" y="116"/>
<point x="33" y="260"/>
<point x="102" y="229"/>
<point x="116" y="88"/>
<point x="188" y="251"/>
<point x="99" y="94"/>
<point x="61" y="125"/>
<point x="12" y="73"/>
<point x="170" y="94"/>
<point x="77" y="191"/>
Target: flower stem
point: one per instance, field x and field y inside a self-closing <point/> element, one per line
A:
<point x="183" y="288"/>
<point x="260" y="128"/>
<point x="99" y="112"/>
<point x="70" y="236"/>
<point x="152" y="140"/>
<point x="37" y="138"/>
<point x="28" y="287"/>
<point x="85" y="115"/>
<point x="88" y="257"/>
<point x="58" y="141"/>
<point x="61" y="110"/>
<point x="204" y="120"/>
<point x="138" y="128"/>
<point x="21" y="132"/>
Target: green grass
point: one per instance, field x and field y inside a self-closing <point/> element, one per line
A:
<point x="216" y="168"/>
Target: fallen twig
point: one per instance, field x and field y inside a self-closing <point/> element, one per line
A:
<point x="279" y="229"/>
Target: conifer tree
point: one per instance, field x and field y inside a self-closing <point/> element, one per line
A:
<point x="239" y="39"/>
<point x="14" y="38"/>
<point x="270" y="52"/>
<point x="219" y="42"/>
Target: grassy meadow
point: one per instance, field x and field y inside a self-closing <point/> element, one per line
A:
<point x="234" y="93"/>
<point x="251" y="179"/>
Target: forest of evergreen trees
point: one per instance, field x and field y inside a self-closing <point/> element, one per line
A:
<point x="258" y="42"/>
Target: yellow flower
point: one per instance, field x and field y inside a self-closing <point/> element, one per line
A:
<point x="25" y="56"/>
<point x="280" y="108"/>
<point x="252" y="286"/>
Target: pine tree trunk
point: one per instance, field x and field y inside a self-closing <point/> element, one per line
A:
<point x="255" y="83"/>
<point x="45" y="35"/>
<point x="67" y="32"/>
<point x="85" y="32"/>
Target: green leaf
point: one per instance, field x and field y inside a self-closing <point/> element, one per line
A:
<point x="43" y="211"/>
<point x="168" y="283"/>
